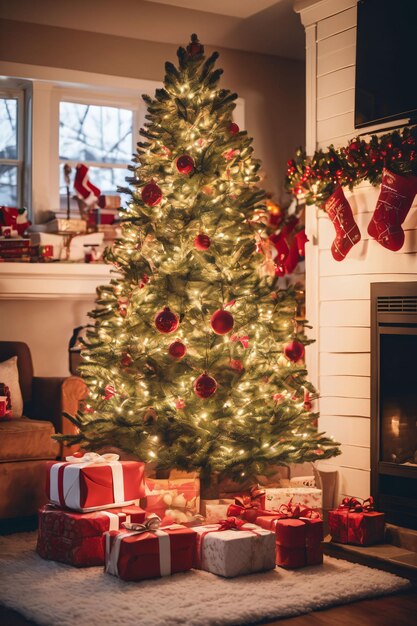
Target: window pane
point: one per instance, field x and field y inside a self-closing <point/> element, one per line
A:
<point x="95" y="133"/>
<point x="106" y="179"/>
<point x="8" y="185"/>
<point x="8" y="128"/>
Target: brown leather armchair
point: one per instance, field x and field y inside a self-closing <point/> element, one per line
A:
<point x="25" y="443"/>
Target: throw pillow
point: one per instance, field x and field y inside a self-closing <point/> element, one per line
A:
<point x="9" y="375"/>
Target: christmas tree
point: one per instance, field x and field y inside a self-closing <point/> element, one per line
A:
<point x="195" y="361"/>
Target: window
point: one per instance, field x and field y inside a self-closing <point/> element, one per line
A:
<point x="11" y="148"/>
<point x="99" y="136"/>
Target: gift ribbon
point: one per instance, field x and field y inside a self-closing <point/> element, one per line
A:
<point x="64" y="488"/>
<point x="356" y="506"/>
<point x="152" y="525"/>
<point x="116" y="518"/>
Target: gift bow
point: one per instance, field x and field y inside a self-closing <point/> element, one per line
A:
<point x="354" y="505"/>
<point x="246" y="503"/>
<point x="152" y="524"/>
<point x="290" y="510"/>
<point x="231" y="523"/>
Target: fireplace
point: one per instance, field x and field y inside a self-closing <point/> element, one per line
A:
<point x="394" y="401"/>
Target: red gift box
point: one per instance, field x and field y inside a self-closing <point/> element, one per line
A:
<point x="77" y="538"/>
<point x="298" y="539"/>
<point x="149" y="551"/>
<point x="94" y="482"/>
<point x="357" y="523"/>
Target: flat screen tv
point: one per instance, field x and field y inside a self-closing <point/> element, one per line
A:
<point x="386" y="61"/>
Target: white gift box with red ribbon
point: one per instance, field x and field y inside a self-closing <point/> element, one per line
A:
<point x="94" y="482"/>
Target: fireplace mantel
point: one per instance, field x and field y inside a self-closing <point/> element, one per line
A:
<point x="51" y="281"/>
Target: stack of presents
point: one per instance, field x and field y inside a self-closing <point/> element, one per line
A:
<point x="103" y="511"/>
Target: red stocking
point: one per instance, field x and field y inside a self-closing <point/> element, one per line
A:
<point x="394" y="202"/>
<point x="83" y="187"/>
<point x="347" y="231"/>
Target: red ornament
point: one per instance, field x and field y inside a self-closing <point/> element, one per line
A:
<point x="278" y="397"/>
<point x="151" y="194"/>
<point x="236" y="364"/>
<point x="233" y="128"/>
<point x="222" y="322"/>
<point x="78" y="455"/>
<point x="122" y="304"/>
<point x="205" y="386"/>
<point x="194" y="47"/>
<point x="294" y="351"/>
<point x="126" y="360"/>
<point x="177" y="350"/>
<point x="180" y="404"/>
<point x="109" y="392"/>
<point x="166" y="321"/>
<point x="202" y="242"/>
<point x="185" y="164"/>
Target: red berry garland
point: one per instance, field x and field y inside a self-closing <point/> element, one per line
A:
<point x="166" y="321"/>
<point x="222" y="322"/>
<point x="177" y="350"/>
<point x="294" y="351"/>
<point x="205" y="386"/>
<point x="151" y="194"/>
<point x="202" y="242"/>
<point x="185" y="164"/>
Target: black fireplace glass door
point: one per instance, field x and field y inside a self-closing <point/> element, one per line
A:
<point x="398" y="395"/>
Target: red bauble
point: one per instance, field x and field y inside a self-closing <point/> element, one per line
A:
<point x="185" y="164"/>
<point x="126" y="360"/>
<point x="236" y="364"/>
<point x="177" y="350"/>
<point x="202" y="242"/>
<point x="205" y="386"/>
<point x="166" y="321"/>
<point x="151" y="194"/>
<point x="222" y="322"/>
<point x="78" y="455"/>
<point x="233" y="128"/>
<point x="180" y="404"/>
<point x="194" y="47"/>
<point x="294" y="351"/>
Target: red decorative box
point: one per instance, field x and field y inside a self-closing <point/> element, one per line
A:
<point x="356" y="523"/>
<point x="95" y="482"/>
<point x="135" y="555"/>
<point x="77" y="538"/>
<point x="298" y="540"/>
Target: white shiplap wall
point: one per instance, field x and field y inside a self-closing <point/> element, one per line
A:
<point x="339" y="293"/>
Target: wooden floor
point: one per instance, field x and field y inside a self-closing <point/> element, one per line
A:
<point x="396" y="610"/>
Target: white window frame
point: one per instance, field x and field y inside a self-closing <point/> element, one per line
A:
<point x="19" y="162"/>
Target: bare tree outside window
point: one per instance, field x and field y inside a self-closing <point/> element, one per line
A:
<point x="100" y="137"/>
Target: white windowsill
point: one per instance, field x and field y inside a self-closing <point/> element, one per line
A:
<point x="52" y="281"/>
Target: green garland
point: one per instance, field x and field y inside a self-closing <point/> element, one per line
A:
<point x="312" y="180"/>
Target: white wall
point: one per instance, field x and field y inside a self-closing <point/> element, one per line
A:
<point x="339" y="292"/>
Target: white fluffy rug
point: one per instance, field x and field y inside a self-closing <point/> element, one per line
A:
<point x="53" y="594"/>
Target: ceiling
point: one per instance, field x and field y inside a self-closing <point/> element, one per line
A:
<point x="265" y="26"/>
<point x="233" y="8"/>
